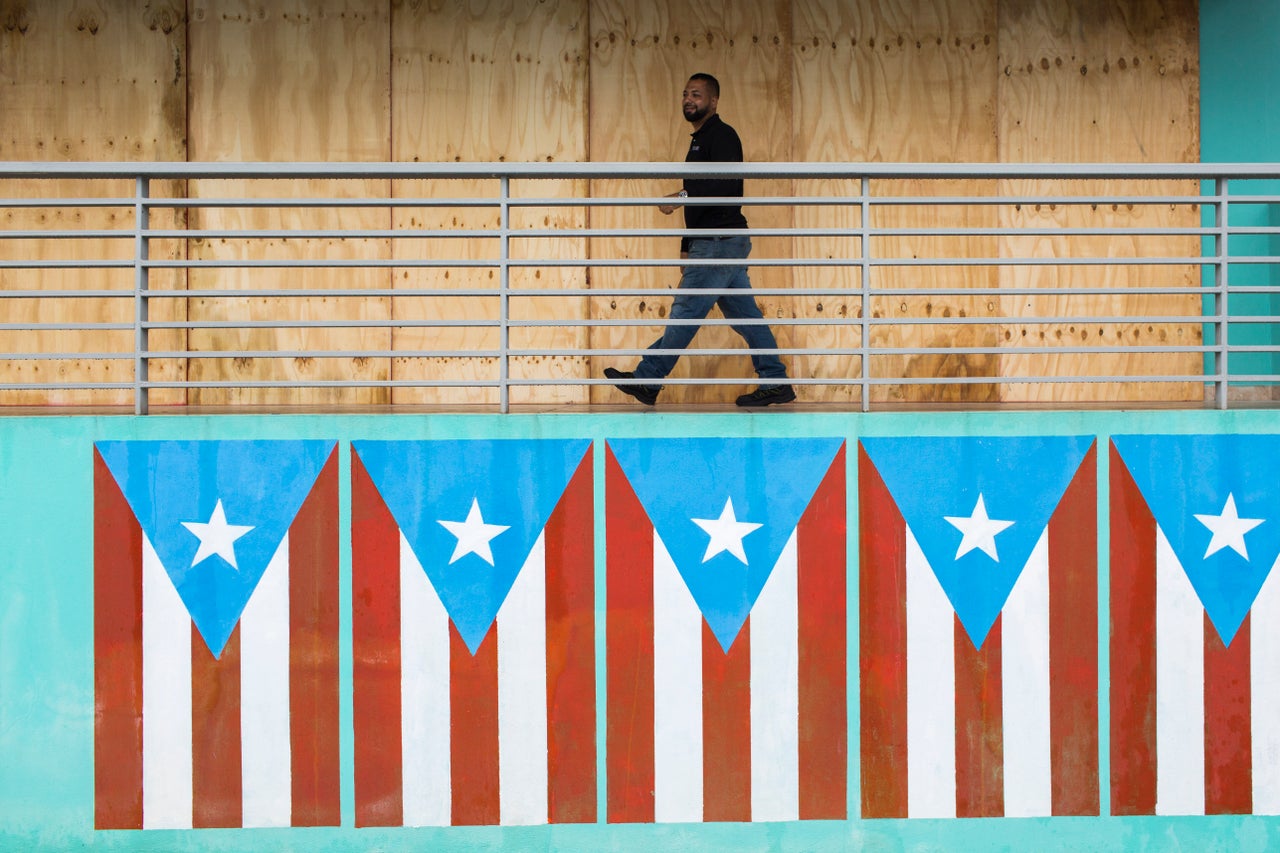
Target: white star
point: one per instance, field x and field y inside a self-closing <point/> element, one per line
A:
<point x="473" y="535"/>
<point x="726" y="533"/>
<point x="216" y="536"/>
<point x="1228" y="528"/>
<point x="979" y="531"/>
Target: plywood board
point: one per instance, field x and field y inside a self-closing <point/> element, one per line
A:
<point x="642" y="54"/>
<point x="294" y="81"/>
<point x="925" y="262"/>
<point x="1056" y="319"/>
<point x="1114" y="82"/>
<point x="888" y="81"/>
<point x="493" y="81"/>
<point x="95" y="81"/>
<point x="518" y="80"/>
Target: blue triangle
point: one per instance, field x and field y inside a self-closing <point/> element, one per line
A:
<point x="1182" y="476"/>
<point x="260" y="484"/>
<point x="1020" y="479"/>
<point x="515" y="483"/>
<point x="770" y="482"/>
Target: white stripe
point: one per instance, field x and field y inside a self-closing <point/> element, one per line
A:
<point x="166" y="699"/>
<point x="426" y="772"/>
<point x="931" y="691"/>
<point x="677" y="694"/>
<point x="265" y="748"/>
<point x="775" y="693"/>
<point x="1264" y="678"/>
<point x="1024" y="663"/>
<point x="1179" y="688"/>
<point x="522" y="695"/>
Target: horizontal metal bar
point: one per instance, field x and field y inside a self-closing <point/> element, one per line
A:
<point x="526" y="382"/>
<point x="65" y="327"/>
<point x="161" y="355"/>
<point x="851" y="320"/>
<point x="303" y="202"/>
<point x="881" y="321"/>
<point x="585" y="352"/>
<point x="605" y="263"/>
<point x="870" y="351"/>
<point x="66" y="265"/>
<point x="619" y="170"/>
<point x="66" y="356"/>
<point x="357" y="234"/>
<point x="648" y="292"/>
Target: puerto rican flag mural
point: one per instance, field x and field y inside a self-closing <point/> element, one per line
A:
<point x="978" y="626"/>
<point x="473" y="632"/>
<point x="1195" y="624"/>
<point x="215" y="634"/>
<point x="726" y="630"/>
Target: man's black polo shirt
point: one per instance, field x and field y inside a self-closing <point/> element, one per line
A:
<point x="714" y="142"/>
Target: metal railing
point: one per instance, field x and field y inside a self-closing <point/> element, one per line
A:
<point x="341" y="285"/>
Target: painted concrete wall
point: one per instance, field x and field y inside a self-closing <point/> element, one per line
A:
<point x="1240" y="123"/>
<point x="1107" y="471"/>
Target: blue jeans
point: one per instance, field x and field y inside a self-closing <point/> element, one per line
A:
<point x="696" y="306"/>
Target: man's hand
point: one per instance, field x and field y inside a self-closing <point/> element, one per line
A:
<point x="671" y="208"/>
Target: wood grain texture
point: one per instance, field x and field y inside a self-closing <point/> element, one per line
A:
<point x="890" y="81"/>
<point x="599" y="80"/>
<point x="1058" y="320"/>
<point x="88" y="81"/>
<point x="292" y="81"/>
<point x="496" y="81"/>
<point x="1107" y="82"/>
<point x="641" y="57"/>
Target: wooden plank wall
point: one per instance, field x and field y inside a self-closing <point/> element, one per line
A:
<point x="302" y="80"/>
<point x="1115" y="83"/>
<point x="517" y="80"/>
<point x="87" y="81"/>
<point x="496" y="81"/>
<point x="903" y="82"/>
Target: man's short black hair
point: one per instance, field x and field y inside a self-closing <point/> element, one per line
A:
<point x="710" y="81"/>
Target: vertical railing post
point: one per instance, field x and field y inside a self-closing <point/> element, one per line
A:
<point x="1221" y="284"/>
<point x="504" y="284"/>
<point x="865" y="344"/>
<point x="141" y="252"/>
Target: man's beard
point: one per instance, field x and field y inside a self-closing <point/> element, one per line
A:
<point x="693" y="114"/>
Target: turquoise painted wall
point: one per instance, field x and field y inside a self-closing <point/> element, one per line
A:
<point x="1240" y="123"/>
<point x="47" y="657"/>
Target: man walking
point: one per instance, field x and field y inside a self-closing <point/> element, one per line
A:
<point x="713" y="142"/>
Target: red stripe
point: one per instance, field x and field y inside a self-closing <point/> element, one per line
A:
<point x="1073" y="644"/>
<point x="1133" y="646"/>
<point x="473" y="745"/>
<point x="117" y="653"/>
<point x="726" y="726"/>
<point x="215" y="733"/>
<point x="882" y="637"/>
<point x="979" y="725"/>
<point x="313" y="654"/>
<point x="824" y="739"/>
<point x="571" y="659"/>
<point x="1228" y="724"/>
<point x="629" y="657"/>
<point x="375" y="640"/>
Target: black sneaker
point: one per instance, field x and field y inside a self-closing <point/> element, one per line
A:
<point x="767" y="395"/>
<point x="647" y="394"/>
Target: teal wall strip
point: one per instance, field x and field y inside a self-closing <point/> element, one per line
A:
<point x="47" y="659"/>
<point x="1240" y="123"/>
